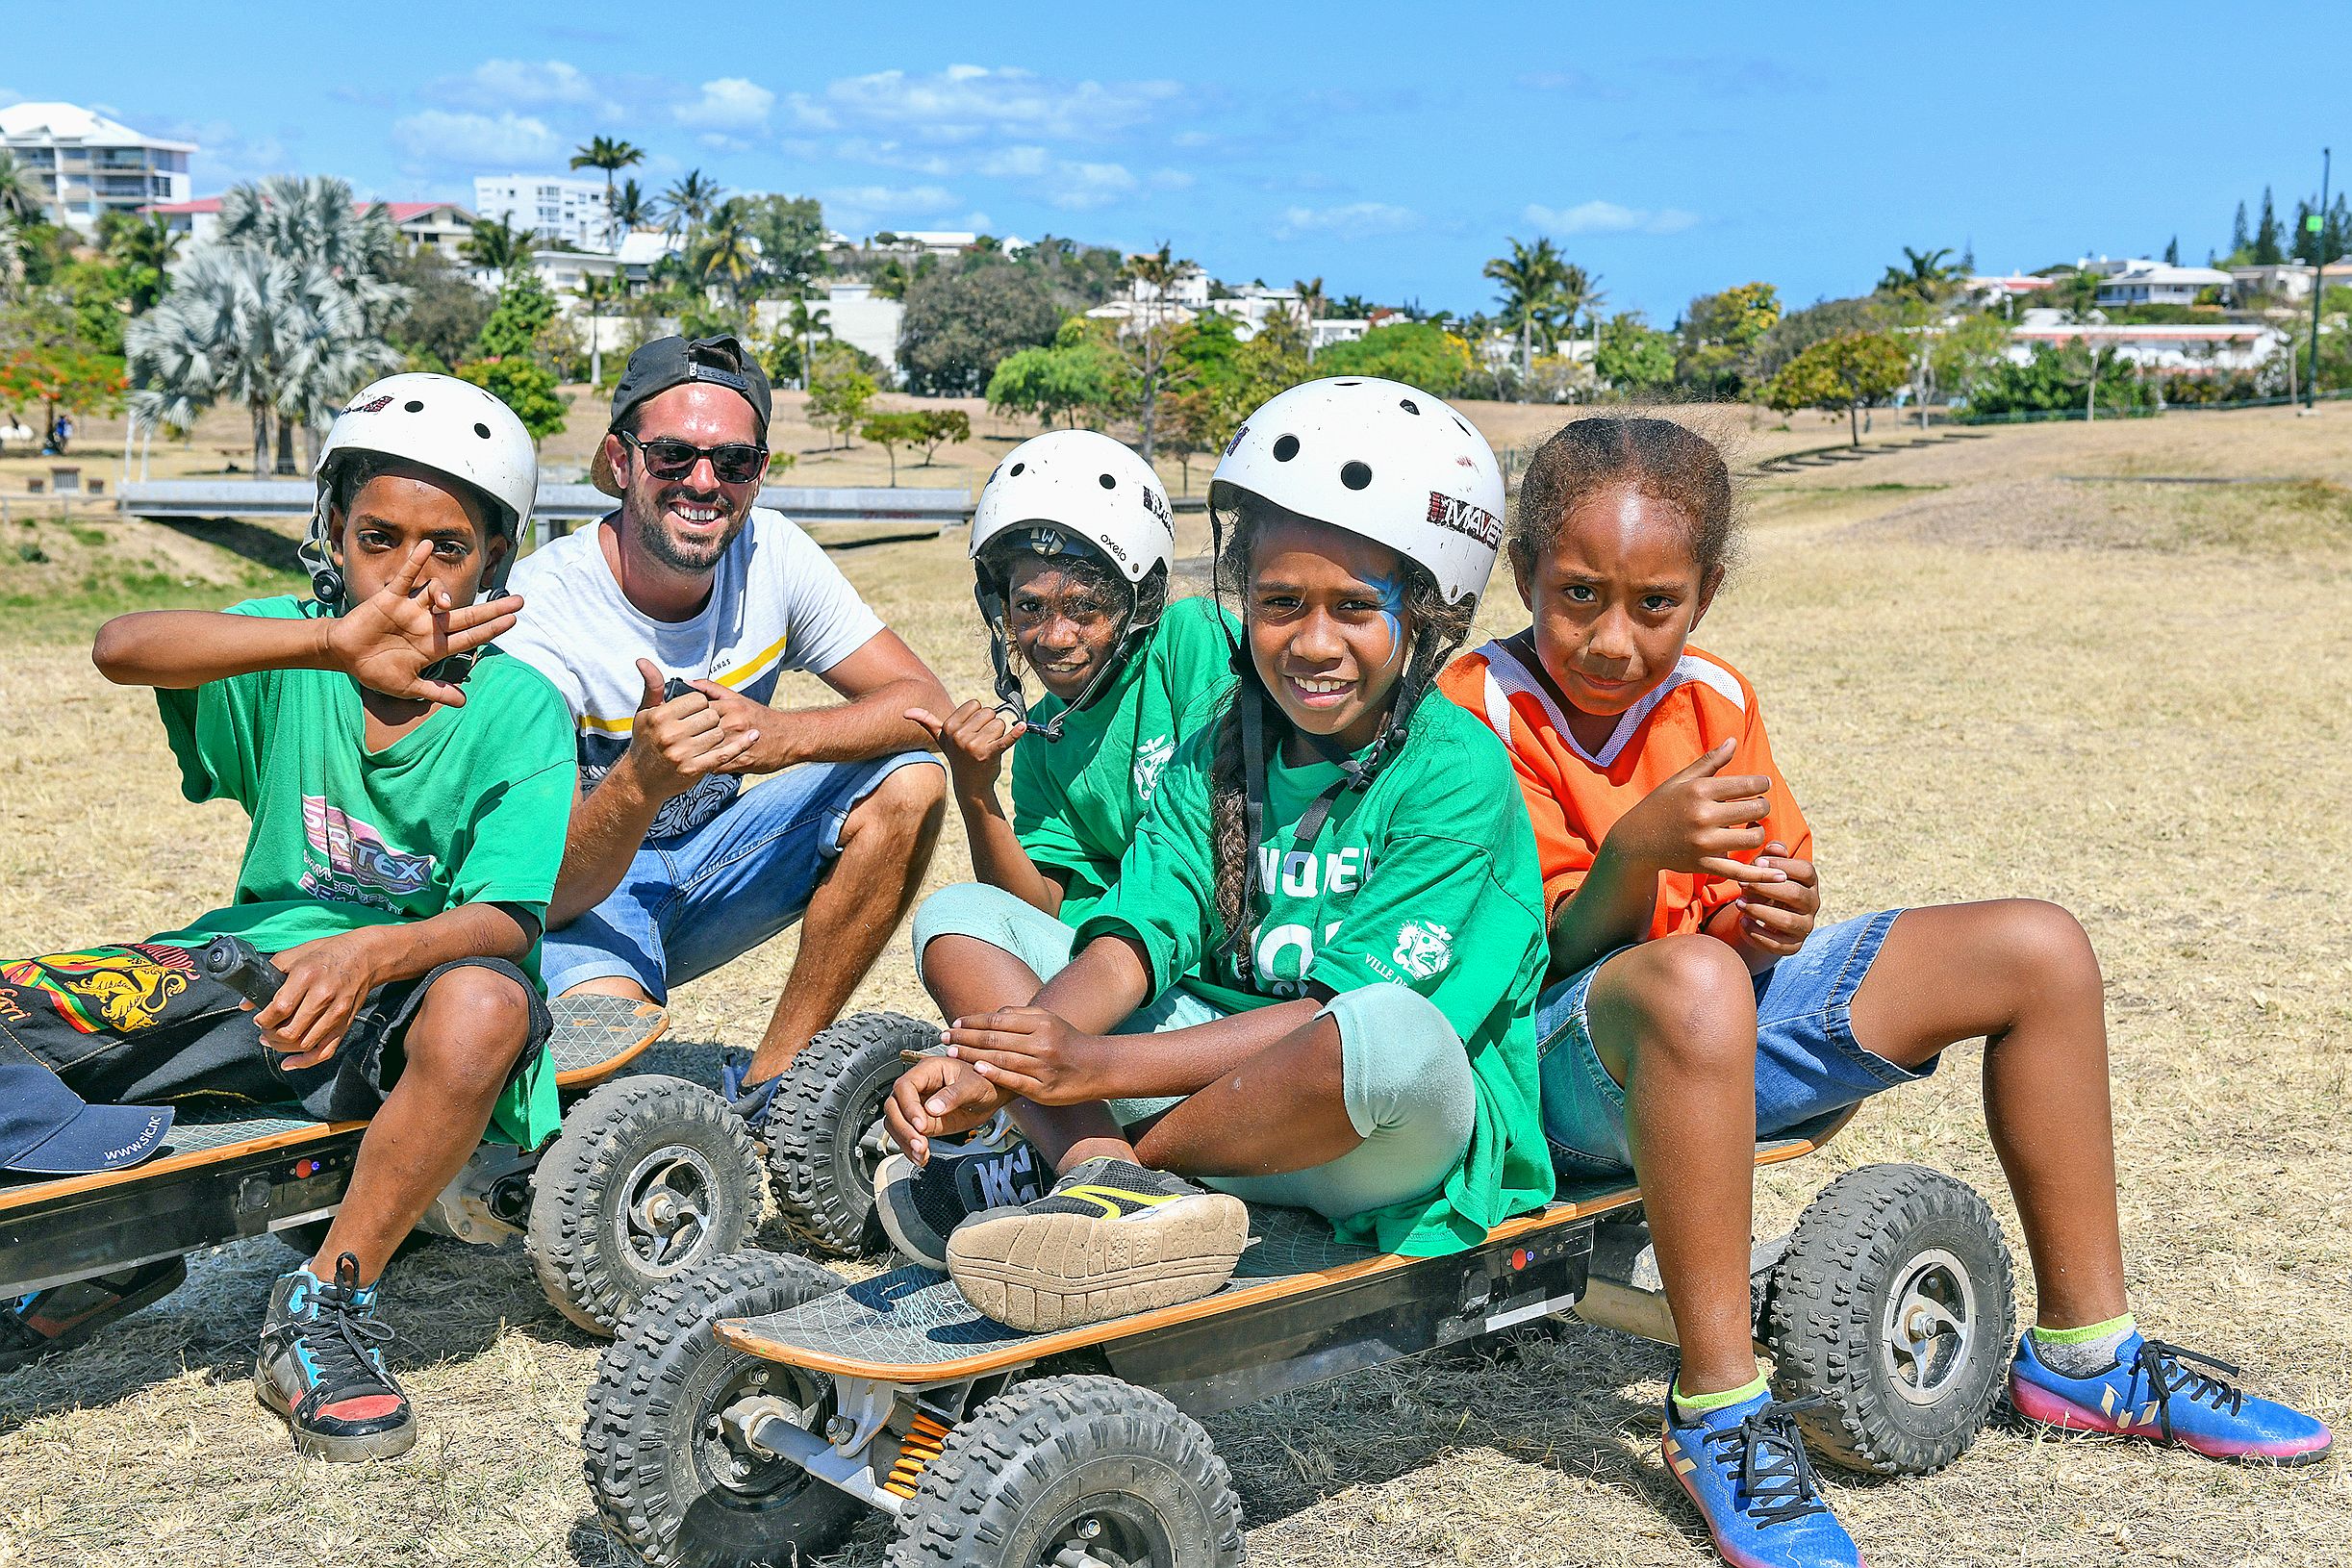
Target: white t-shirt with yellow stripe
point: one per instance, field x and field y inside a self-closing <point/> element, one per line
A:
<point x="777" y="602"/>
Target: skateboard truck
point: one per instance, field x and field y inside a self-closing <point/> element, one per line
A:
<point x="238" y="964"/>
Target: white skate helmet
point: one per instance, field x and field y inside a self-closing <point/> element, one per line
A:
<point x="1380" y="459"/>
<point x="438" y="423"/>
<point x="1072" y="493"/>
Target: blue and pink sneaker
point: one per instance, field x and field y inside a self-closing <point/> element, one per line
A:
<point x="2167" y="1395"/>
<point x="1744" y="1466"/>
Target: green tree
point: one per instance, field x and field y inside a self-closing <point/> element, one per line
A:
<point x="727" y="254"/>
<point x="1416" y="353"/>
<point x="889" y="432"/>
<point x="496" y="245"/>
<point x="20" y="199"/>
<point x="689" y="201"/>
<point x="959" y="325"/>
<point x="1532" y="280"/>
<point x="2056" y="378"/>
<point x="838" y="391"/>
<point x="792" y="242"/>
<point x="611" y="156"/>
<point x="443" y="314"/>
<point x="1719" y="332"/>
<point x="1151" y="332"/>
<point x="632" y="208"/>
<point x="1848" y="373"/>
<point x="1195" y="422"/>
<point x="512" y="330"/>
<point x="1633" y="355"/>
<point x="1924" y="276"/>
<point x="142" y="250"/>
<point x="941" y="427"/>
<point x="523" y="385"/>
<point x="2268" y="249"/>
<point x="1969" y="352"/>
<point x="1077" y="372"/>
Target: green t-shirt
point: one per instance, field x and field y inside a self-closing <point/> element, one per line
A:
<point x="1427" y="880"/>
<point x="1077" y="800"/>
<point x="469" y="807"/>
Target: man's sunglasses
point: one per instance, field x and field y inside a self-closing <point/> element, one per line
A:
<point x="737" y="463"/>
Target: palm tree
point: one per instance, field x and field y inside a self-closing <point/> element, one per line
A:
<point x="20" y="201"/>
<point x="728" y="255"/>
<point x="632" y="208"/>
<point x="144" y="249"/>
<point x="1924" y="276"/>
<point x="688" y="202"/>
<point x="497" y="246"/>
<point x="808" y="325"/>
<point x="611" y="156"/>
<point x="595" y="290"/>
<point x="314" y="222"/>
<point x="1532" y="278"/>
<point x="1311" y="303"/>
<point x="243" y="325"/>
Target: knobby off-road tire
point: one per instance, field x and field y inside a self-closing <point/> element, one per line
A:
<point x="1064" y="1465"/>
<point x="1894" y="1305"/>
<point x="820" y="1150"/>
<point x="666" y="1478"/>
<point x="650" y="1176"/>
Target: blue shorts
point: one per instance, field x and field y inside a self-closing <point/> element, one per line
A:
<point x="1807" y="1062"/>
<point x="688" y="904"/>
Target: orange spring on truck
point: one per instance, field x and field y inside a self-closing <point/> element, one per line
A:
<point x="923" y="1440"/>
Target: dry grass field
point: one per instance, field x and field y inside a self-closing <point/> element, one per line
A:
<point x="2001" y="666"/>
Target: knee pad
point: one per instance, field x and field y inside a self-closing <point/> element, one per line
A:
<point x="972" y="909"/>
<point x="1401" y="1058"/>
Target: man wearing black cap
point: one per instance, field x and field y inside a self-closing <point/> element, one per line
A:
<point x="665" y="627"/>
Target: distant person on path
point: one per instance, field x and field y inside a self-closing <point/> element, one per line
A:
<point x="665" y="627"/>
<point x="1694" y="1001"/>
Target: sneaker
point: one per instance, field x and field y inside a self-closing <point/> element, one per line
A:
<point x="753" y="1103"/>
<point x="48" y="1320"/>
<point x="2167" y="1395"/>
<point x="921" y="1205"/>
<point x="1745" y="1468"/>
<point x="1111" y="1238"/>
<point x="322" y="1367"/>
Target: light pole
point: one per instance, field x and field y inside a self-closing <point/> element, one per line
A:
<point x="2317" y="223"/>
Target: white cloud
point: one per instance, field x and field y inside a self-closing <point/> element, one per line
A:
<point x="1079" y="185"/>
<point x="1172" y="179"/>
<point x="508" y="84"/>
<point x="224" y="156"/>
<point x="884" y="154"/>
<point x="437" y="136"/>
<point x="863" y="206"/>
<point x="731" y="103"/>
<point x="1353" y="220"/>
<point x="967" y="103"/>
<point x="1608" y="217"/>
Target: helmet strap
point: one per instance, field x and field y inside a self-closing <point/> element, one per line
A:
<point x="1012" y="703"/>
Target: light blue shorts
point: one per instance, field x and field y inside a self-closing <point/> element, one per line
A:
<point x="1407" y="1081"/>
<point x="688" y="904"/>
<point x="1807" y="1062"/>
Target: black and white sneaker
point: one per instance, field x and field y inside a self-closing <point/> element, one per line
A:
<point x="921" y="1205"/>
<point x="1110" y="1239"/>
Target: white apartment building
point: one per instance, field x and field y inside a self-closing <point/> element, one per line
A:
<point x="428" y="225"/>
<point x="552" y="206"/>
<point x="83" y="165"/>
<point x="2186" y="350"/>
<point x="851" y="313"/>
<point x="2290" y="280"/>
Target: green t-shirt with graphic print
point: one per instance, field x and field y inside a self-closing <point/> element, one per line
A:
<point x="1427" y="880"/>
<point x="1077" y="800"/>
<point x="469" y="807"/>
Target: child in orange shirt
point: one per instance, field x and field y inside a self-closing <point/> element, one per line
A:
<point x="1694" y="1004"/>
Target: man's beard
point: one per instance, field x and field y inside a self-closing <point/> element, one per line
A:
<point x="647" y="516"/>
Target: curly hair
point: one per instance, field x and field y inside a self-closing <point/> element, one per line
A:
<point x="1659" y="457"/>
<point x="1434" y="629"/>
<point x="1140" y="604"/>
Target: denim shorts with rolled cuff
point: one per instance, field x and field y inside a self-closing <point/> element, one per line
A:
<point x="1807" y="1062"/>
<point x="1406" y="1076"/>
<point x="705" y="897"/>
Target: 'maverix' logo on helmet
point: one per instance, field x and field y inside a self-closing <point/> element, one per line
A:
<point x="1463" y="518"/>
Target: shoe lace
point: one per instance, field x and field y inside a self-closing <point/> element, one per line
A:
<point x="1774" y="1473"/>
<point x="2167" y="1371"/>
<point x="343" y="1343"/>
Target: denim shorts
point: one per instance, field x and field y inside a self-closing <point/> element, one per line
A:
<point x="1807" y="1062"/>
<point x="690" y="903"/>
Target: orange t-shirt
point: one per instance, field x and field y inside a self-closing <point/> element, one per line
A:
<point x="1575" y="797"/>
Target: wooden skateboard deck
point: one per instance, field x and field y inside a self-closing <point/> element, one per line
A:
<point x="594" y="1037"/>
<point x="912" y="1325"/>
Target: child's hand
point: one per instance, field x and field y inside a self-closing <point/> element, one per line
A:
<point x="326" y="981"/>
<point x="386" y="640"/>
<point x="1032" y="1053"/>
<point x="973" y="739"/>
<point x="937" y="1098"/>
<point x="1777" y="917"/>
<point x="1696" y="822"/>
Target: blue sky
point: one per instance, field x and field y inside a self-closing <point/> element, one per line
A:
<point x="1388" y="148"/>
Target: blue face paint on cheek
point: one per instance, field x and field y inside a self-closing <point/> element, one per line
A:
<point x="1392" y="609"/>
